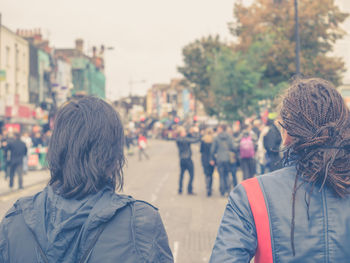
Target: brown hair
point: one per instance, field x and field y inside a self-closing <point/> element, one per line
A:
<point x="314" y="114"/>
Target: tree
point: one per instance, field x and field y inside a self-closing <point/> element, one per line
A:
<point x="319" y="30"/>
<point x="236" y="81"/>
<point x="198" y="57"/>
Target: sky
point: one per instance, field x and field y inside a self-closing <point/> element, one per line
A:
<point x="147" y="35"/>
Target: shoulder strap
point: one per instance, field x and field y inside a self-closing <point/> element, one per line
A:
<point x="261" y="219"/>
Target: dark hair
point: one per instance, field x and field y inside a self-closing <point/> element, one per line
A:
<point x="86" y="150"/>
<point x="17" y="136"/>
<point x="314" y="114"/>
<point x="223" y="127"/>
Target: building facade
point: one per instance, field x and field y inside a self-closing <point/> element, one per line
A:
<point x="88" y="76"/>
<point x="14" y="61"/>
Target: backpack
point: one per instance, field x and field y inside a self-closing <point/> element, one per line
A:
<point x="246" y="147"/>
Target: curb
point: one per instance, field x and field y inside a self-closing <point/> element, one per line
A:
<point x="26" y="187"/>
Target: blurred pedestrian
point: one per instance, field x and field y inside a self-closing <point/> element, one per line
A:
<point x="142" y="144"/>
<point x="261" y="151"/>
<point x="46" y="138"/>
<point x="298" y="213"/>
<point x="272" y="143"/>
<point x="17" y="150"/>
<point x="208" y="168"/>
<point x="37" y="140"/>
<point x="8" y="138"/>
<point x="183" y="142"/>
<point x="78" y="217"/>
<point x="234" y="156"/>
<point x="28" y="142"/>
<point x="247" y="148"/>
<point x="220" y="154"/>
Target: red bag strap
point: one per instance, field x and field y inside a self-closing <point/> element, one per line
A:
<point x="261" y="218"/>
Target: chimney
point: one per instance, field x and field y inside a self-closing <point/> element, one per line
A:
<point x="79" y="45"/>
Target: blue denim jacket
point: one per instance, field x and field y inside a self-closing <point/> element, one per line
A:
<point x="323" y="236"/>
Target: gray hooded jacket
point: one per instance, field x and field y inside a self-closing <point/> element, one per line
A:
<point x="221" y="148"/>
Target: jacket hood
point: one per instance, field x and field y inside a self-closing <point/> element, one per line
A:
<point x="63" y="227"/>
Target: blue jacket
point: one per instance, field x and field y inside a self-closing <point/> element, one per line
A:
<point x="65" y="228"/>
<point x="323" y="237"/>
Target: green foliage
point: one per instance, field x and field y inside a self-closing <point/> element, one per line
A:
<point x="319" y="29"/>
<point x="198" y="57"/>
<point x="236" y="79"/>
<point x="230" y="80"/>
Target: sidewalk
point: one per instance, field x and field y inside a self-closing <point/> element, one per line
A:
<point x="29" y="179"/>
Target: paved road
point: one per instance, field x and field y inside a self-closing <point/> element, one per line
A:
<point x="191" y="221"/>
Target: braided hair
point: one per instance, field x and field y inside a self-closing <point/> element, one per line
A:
<point x="315" y="116"/>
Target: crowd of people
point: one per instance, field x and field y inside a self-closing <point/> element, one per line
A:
<point x="253" y="147"/>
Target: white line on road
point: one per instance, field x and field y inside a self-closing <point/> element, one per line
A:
<point x="176" y="250"/>
<point x="154" y="195"/>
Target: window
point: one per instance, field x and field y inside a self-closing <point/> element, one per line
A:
<point x="8" y="56"/>
<point x="7" y="88"/>
<point x="17" y="59"/>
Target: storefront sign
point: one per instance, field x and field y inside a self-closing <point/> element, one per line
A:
<point x="2" y="75"/>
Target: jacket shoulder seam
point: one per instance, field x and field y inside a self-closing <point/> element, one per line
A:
<point x="138" y="252"/>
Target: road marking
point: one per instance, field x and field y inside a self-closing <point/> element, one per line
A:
<point x="153" y="198"/>
<point x="154" y="195"/>
<point x="176" y="250"/>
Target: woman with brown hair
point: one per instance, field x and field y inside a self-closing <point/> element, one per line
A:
<point x="298" y="213"/>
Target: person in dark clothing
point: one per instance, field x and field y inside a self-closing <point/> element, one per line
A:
<point x="78" y="217"/>
<point x="7" y="138"/>
<point x="17" y="150"/>
<point x="208" y="168"/>
<point x="37" y="140"/>
<point x="234" y="156"/>
<point x="183" y="143"/>
<point x="220" y="151"/>
<point x="272" y="143"/>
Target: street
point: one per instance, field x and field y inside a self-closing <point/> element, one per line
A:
<point x="191" y="221"/>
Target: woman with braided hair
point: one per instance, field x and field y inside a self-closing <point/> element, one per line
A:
<point x="299" y="213"/>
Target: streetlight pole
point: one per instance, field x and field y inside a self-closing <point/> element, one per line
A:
<point x="297" y="39"/>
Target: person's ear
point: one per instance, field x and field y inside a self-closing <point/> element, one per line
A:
<point x="286" y="138"/>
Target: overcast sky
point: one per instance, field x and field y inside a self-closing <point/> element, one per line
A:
<point x="147" y="35"/>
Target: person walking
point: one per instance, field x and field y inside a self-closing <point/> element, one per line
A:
<point x="78" y="217"/>
<point x="142" y="143"/>
<point x="8" y="137"/>
<point x="234" y="156"/>
<point x="272" y="143"/>
<point x="247" y="148"/>
<point x="298" y="213"/>
<point x="17" y="150"/>
<point x="220" y="154"/>
<point x="183" y="143"/>
<point x="208" y="168"/>
<point x="261" y="151"/>
<point x="28" y="142"/>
